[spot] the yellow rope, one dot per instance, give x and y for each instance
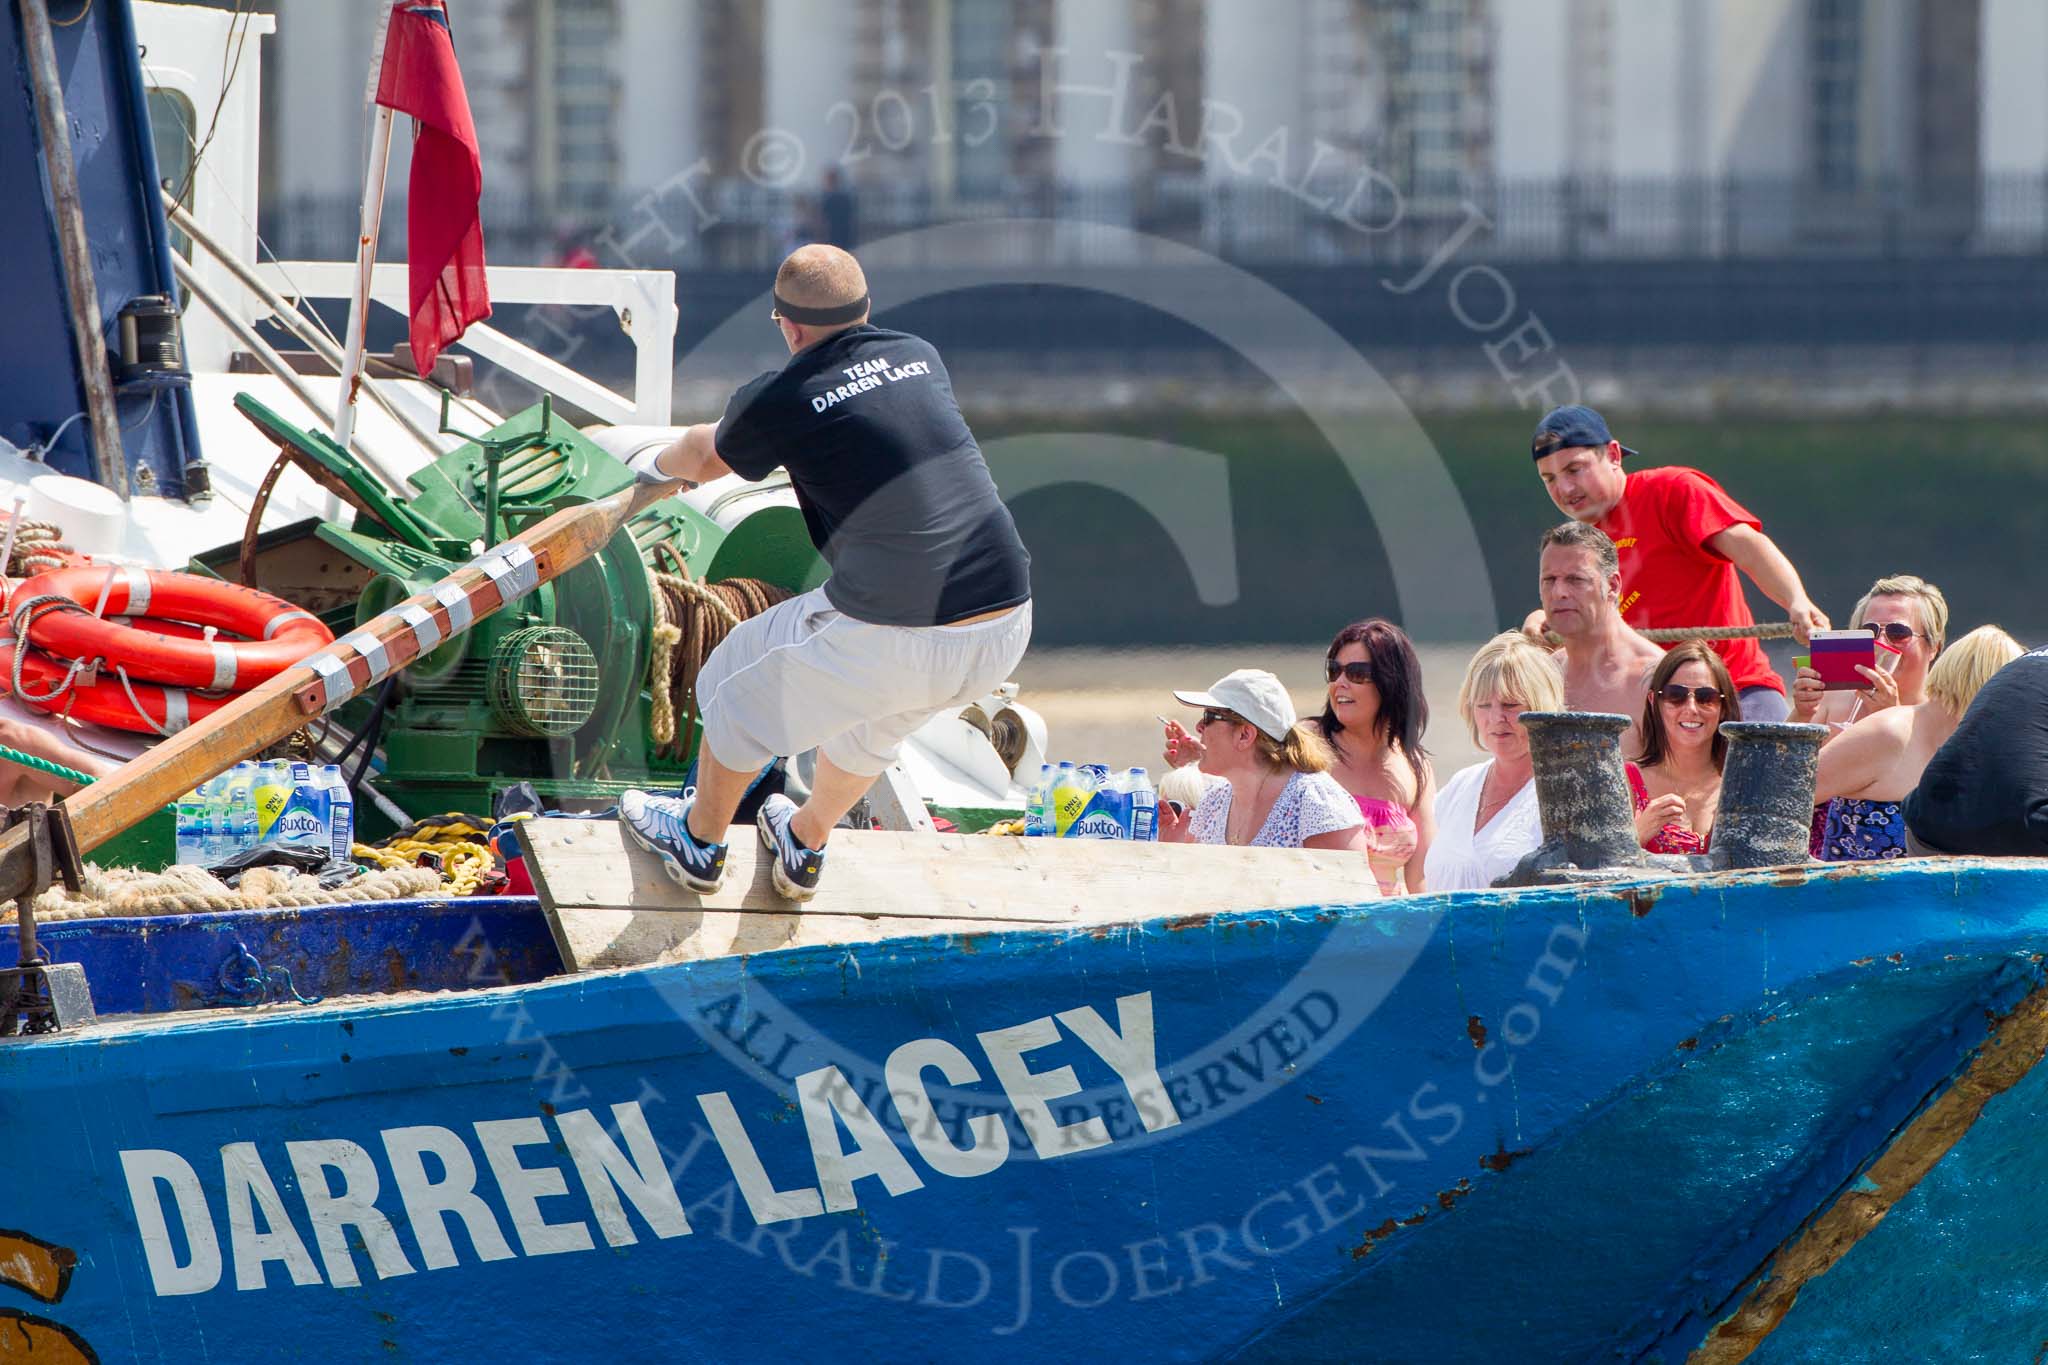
(461, 844)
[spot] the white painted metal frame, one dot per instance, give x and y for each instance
(644, 302)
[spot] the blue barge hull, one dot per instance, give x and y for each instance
(1548, 1125)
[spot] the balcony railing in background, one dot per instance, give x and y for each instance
(737, 224)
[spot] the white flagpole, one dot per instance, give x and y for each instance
(366, 241)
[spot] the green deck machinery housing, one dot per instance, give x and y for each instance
(554, 689)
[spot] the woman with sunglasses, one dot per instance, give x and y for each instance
(1678, 782)
(1374, 713)
(1276, 789)
(1905, 612)
(1866, 775)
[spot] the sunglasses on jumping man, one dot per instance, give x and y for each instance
(1355, 673)
(1674, 694)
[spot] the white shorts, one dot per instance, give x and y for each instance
(802, 675)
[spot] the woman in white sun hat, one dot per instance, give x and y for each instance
(1277, 790)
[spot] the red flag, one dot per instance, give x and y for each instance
(444, 230)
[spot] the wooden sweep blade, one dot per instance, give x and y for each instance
(342, 670)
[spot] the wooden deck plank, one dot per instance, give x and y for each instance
(610, 904)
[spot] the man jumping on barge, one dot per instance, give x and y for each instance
(928, 605)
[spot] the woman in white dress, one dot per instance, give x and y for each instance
(1276, 789)
(1486, 814)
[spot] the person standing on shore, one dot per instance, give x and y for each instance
(1681, 540)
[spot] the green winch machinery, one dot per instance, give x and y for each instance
(551, 691)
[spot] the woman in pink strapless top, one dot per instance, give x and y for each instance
(1373, 717)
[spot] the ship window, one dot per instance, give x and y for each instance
(171, 119)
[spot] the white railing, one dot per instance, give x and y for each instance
(644, 301)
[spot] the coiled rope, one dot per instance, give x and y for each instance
(38, 547)
(460, 841)
(692, 617)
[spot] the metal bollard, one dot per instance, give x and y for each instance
(1766, 809)
(1582, 794)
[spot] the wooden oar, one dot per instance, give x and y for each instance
(344, 669)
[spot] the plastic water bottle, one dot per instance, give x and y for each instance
(302, 824)
(1070, 794)
(1141, 803)
(213, 793)
(189, 834)
(1035, 803)
(272, 789)
(341, 813)
(240, 807)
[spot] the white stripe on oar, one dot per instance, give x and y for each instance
(425, 629)
(456, 600)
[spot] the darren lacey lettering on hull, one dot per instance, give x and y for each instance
(356, 1204)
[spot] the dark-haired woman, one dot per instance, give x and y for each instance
(1678, 782)
(1373, 718)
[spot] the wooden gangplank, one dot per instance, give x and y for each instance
(610, 904)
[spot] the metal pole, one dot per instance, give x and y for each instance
(366, 260)
(294, 321)
(273, 362)
(75, 250)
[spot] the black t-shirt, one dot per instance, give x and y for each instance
(1985, 791)
(893, 487)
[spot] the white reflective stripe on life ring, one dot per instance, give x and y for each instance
(451, 596)
(425, 630)
(177, 709)
(224, 663)
(138, 590)
(278, 623)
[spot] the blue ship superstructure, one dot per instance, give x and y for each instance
(42, 385)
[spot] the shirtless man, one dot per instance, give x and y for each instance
(1605, 661)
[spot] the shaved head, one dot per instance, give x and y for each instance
(820, 276)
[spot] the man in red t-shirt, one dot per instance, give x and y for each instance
(1681, 539)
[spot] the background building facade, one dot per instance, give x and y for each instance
(1578, 127)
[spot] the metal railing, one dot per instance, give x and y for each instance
(739, 224)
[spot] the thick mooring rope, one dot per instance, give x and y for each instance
(187, 890)
(692, 617)
(38, 546)
(1671, 635)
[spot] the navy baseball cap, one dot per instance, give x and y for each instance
(1568, 428)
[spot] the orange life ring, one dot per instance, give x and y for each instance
(154, 710)
(275, 633)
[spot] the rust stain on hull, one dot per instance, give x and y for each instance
(41, 1269)
(2015, 1048)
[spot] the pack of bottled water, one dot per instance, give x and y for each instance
(1088, 801)
(276, 802)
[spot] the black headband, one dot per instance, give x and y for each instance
(822, 317)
